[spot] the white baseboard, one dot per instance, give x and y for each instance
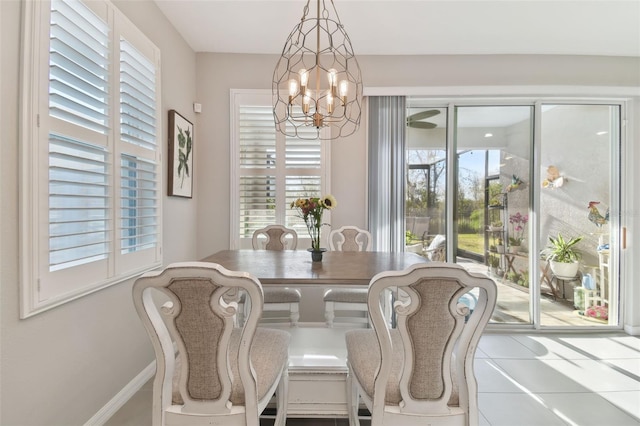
(121, 398)
(631, 330)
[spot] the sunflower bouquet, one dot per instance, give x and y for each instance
(310, 210)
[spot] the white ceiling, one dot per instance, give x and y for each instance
(381, 27)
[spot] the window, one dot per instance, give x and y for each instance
(270, 170)
(91, 160)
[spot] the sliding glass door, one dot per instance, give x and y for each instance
(521, 174)
(579, 186)
(493, 159)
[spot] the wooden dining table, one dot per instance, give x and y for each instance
(337, 268)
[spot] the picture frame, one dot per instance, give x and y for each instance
(180, 156)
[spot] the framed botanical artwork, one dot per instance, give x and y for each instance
(180, 155)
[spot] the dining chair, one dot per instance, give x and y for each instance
(350, 238)
(351, 302)
(282, 304)
(217, 373)
(420, 371)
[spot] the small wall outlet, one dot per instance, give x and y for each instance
(197, 107)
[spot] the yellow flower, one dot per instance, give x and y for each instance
(329, 202)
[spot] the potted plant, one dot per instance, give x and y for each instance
(494, 262)
(518, 222)
(514, 245)
(563, 257)
(496, 225)
(495, 194)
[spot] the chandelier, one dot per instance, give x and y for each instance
(317, 82)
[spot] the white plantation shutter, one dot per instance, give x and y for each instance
(139, 205)
(94, 217)
(270, 170)
(139, 183)
(80, 200)
(257, 186)
(79, 66)
(79, 213)
(137, 97)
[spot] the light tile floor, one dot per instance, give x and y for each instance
(524, 380)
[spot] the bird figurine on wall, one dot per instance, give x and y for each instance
(516, 183)
(595, 216)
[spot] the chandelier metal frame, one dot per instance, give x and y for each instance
(317, 81)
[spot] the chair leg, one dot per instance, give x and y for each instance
(352, 400)
(240, 315)
(329, 313)
(295, 314)
(282, 399)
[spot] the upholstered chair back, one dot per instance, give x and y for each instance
(275, 237)
(350, 238)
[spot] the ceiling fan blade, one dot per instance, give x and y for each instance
(414, 119)
(423, 114)
(421, 125)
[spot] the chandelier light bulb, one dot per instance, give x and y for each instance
(332, 74)
(329, 103)
(306, 100)
(293, 89)
(304, 78)
(344, 89)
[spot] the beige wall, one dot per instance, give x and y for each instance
(62, 366)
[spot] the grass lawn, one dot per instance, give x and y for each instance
(471, 242)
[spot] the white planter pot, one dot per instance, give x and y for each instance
(564, 270)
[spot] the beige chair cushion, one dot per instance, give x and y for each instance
(269, 353)
(347, 295)
(364, 357)
(281, 295)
